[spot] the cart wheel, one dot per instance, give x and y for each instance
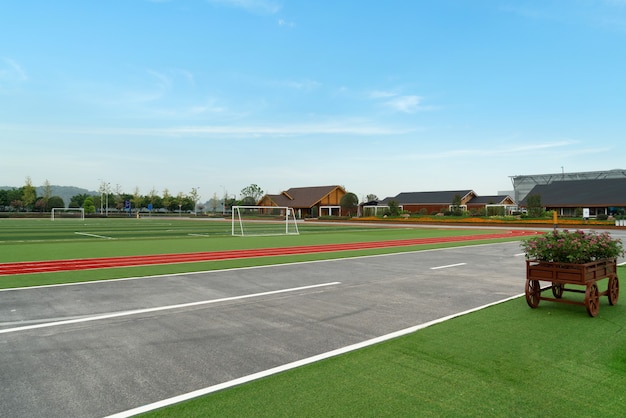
(557, 290)
(613, 290)
(533, 293)
(592, 299)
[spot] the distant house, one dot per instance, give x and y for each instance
(479, 203)
(308, 201)
(600, 196)
(431, 202)
(441, 201)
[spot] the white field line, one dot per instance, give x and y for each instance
(448, 266)
(295, 364)
(92, 235)
(162, 308)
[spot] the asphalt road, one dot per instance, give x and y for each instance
(91, 350)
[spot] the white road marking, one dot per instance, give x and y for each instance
(92, 235)
(161, 308)
(449, 265)
(293, 365)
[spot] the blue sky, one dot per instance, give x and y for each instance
(380, 97)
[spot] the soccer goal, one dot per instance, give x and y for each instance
(67, 213)
(263, 220)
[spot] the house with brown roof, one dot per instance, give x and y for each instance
(441, 201)
(308, 201)
(431, 202)
(478, 203)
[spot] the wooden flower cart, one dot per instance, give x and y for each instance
(561, 274)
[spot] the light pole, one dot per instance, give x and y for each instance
(107, 186)
(101, 189)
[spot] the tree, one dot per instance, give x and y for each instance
(88, 205)
(349, 203)
(248, 201)
(194, 196)
(47, 193)
(29, 194)
(534, 206)
(455, 207)
(55, 202)
(17, 205)
(4, 198)
(394, 208)
(40, 205)
(137, 200)
(118, 198)
(167, 199)
(371, 197)
(214, 202)
(253, 191)
(78, 200)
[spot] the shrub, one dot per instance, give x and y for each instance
(572, 247)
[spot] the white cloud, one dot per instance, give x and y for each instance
(11, 71)
(494, 152)
(286, 23)
(252, 6)
(381, 94)
(406, 104)
(342, 127)
(305, 84)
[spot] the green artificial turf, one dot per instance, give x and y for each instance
(504, 361)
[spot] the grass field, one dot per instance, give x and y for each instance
(503, 361)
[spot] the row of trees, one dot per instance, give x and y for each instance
(25, 198)
(110, 199)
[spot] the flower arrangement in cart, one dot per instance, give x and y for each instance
(577, 247)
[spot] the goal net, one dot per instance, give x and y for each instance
(263, 220)
(67, 213)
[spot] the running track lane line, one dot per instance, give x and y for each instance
(131, 261)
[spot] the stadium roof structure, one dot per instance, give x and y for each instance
(523, 184)
(607, 192)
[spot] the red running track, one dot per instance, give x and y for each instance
(28, 267)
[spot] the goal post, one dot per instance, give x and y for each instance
(67, 213)
(263, 220)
